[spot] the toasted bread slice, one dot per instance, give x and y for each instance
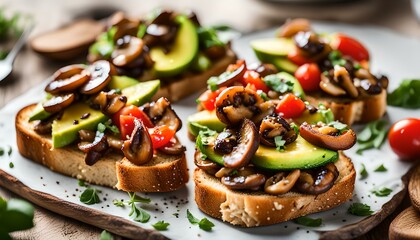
(177, 88)
(251, 209)
(349, 111)
(164, 173)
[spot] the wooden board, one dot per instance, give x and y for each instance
(406, 225)
(414, 188)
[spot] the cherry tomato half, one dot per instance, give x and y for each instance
(126, 126)
(404, 138)
(207, 98)
(309, 76)
(161, 135)
(134, 111)
(350, 47)
(254, 78)
(296, 58)
(290, 106)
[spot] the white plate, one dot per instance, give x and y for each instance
(392, 54)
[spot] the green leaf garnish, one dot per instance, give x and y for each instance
(278, 140)
(382, 192)
(118, 203)
(208, 37)
(326, 113)
(204, 223)
(191, 218)
(11, 165)
(212, 83)
(139, 214)
(9, 152)
(106, 235)
(81, 183)
(336, 58)
(15, 215)
(1, 151)
(359, 209)
(90, 196)
(278, 84)
(161, 225)
(407, 95)
(141, 30)
(136, 198)
(107, 125)
(381, 168)
(309, 222)
(104, 46)
(372, 136)
(363, 172)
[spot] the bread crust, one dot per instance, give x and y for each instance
(349, 111)
(111, 171)
(259, 209)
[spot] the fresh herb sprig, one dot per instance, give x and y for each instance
(360, 209)
(372, 136)
(278, 83)
(363, 172)
(204, 223)
(137, 213)
(407, 95)
(309, 222)
(90, 196)
(20, 211)
(161, 225)
(382, 192)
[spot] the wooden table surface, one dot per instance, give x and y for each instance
(244, 15)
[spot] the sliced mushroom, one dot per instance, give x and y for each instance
(44, 126)
(264, 69)
(58, 102)
(110, 102)
(317, 181)
(273, 126)
(370, 83)
(94, 150)
(89, 136)
(248, 142)
(281, 182)
(331, 140)
(236, 103)
(225, 141)
(100, 77)
(291, 27)
(128, 49)
(138, 149)
(174, 147)
(161, 113)
(223, 172)
(68, 79)
(228, 78)
(203, 163)
(244, 179)
(327, 86)
(342, 76)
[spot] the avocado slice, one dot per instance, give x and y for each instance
(313, 118)
(121, 82)
(141, 92)
(204, 118)
(65, 131)
(298, 155)
(39, 113)
(297, 88)
(183, 52)
(277, 47)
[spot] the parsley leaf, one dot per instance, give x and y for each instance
(106, 235)
(208, 37)
(309, 222)
(9, 152)
(204, 223)
(407, 95)
(212, 83)
(139, 214)
(278, 83)
(81, 183)
(336, 58)
(161, 225)
(278, 140)
(295, 128)
(90, 196)
(359, 209)
(104, 46)
(108, 125)
(381, 168)
(326, 113)
(11, 165)
(382, 192)
(372, 136)
(1, 151)
(363, 172)
(16, 214)
(191, 218)
(134, 198)
(118, 203)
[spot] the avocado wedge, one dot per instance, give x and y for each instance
(204, 118)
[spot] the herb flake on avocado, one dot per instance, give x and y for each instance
(278, 83)
(278, 140)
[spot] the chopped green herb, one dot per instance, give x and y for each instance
(208, 37)
(263, 95)
(90, 196)
(278, 84)
(191, 218)
(381, 168)
(107, 125)
(9, 152)
(357, 66)
(363, 172)
(104, 46)
(176, 215)
(326, 113)
(360, 209)
(204, 223)
(106, 235)
(101, 127)
(372, 136)
(212, 83)
(15, 215)
(81, 183)
(161, 225)
(338, 125)
(278, 140)
(9, 26)
(222, 28)
(309, 222)
(1, 151)
(135, 198)
(336, 58)
(11, 165)
(407, 95)
(382, 192)
(138, 214)
(118, 203)
(141, 31)
(295, 128)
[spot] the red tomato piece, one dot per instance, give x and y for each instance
(207, 98)
(290, 106)
(126, 126)
(254, 78)
(161, 135)
(134, 111)
(350, 47)
(404, 139)
(296, 58)
(309, 76)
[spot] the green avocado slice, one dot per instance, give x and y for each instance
(204, 118)
(277, 47)
(297, 155)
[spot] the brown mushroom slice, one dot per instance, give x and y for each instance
(174, 147)
(44, 126)
(203, 163)
(99, 144)
(68, 79)
(236, 103)
(264, 69)
(128, 49)
(317, 181)
(138, 149)
(161, 113)
(273, 126)
(89, 136)
(341, 142)
(100, 77)
(291, 27)
(244, 180)
(116, 103)
(327, 86)
(281, 182)
(58, 102)
(228, 79)
(248, 142)
(342, 76)
(225, 141)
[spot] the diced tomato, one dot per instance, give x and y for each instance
(254, 78)
(134, 111)
(126, 126)
(296, 58)
(290, 106)
(207, 98)
(161, 135)
(309, 76)
(350, 47)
